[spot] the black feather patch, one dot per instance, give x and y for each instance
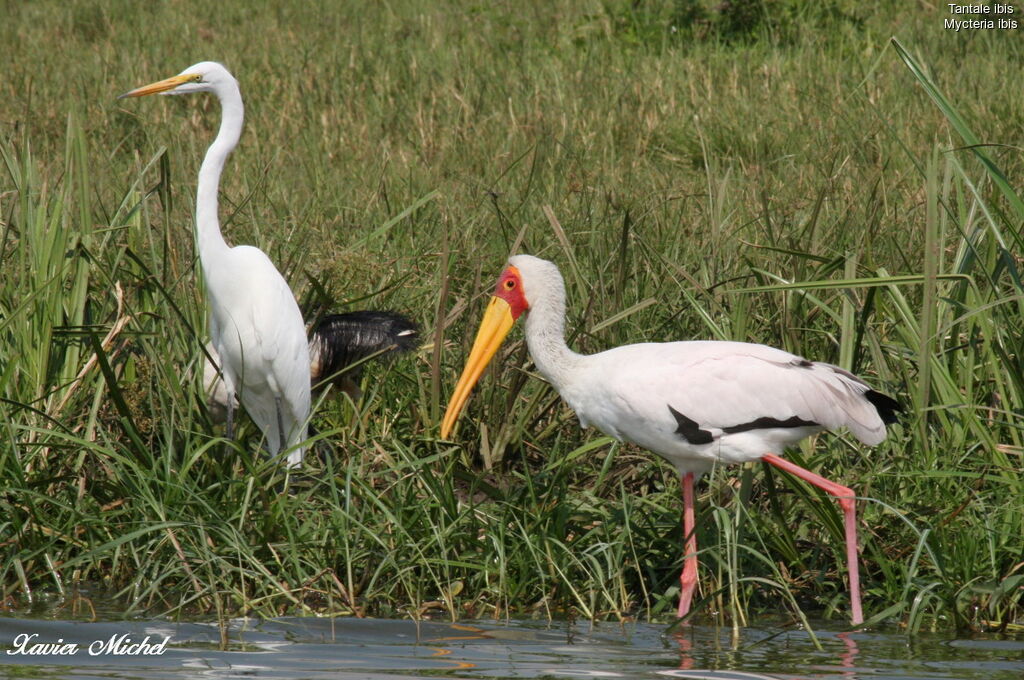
(764, 423)
(341, 340)
(689, 430)
(887, 407)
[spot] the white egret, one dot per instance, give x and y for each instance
(255, 323)
(696, 404)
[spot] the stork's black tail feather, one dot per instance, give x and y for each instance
(887, 407)
(341, 340)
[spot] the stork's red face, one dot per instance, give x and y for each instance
(507, 304)
(510, 289)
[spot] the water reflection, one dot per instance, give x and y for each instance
(846, 658)
(365, 648)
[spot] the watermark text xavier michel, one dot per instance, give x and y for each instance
(980, 17)
(116, 645)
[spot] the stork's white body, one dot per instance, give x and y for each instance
(732, 391)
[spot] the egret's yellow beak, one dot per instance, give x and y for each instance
(162, 85)
(496, 324)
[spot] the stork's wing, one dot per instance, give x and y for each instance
(716, 388)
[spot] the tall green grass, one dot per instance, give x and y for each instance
(802, 183)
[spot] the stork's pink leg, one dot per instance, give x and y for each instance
(846, 498)
(688, 579)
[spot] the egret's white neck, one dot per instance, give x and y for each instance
(208, 235)
(545, 336)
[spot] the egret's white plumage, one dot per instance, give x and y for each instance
(695, 403)
(255, 323)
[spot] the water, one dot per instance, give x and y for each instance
(371, 649)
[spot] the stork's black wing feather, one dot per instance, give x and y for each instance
(888, 408)
(341, 340)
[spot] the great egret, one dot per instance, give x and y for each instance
(696, 404)
(255, 323)
(339, 346)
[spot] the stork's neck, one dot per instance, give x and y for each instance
(545, 336)
(208, 235)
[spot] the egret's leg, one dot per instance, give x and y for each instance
(282, 437)
(688, 579)
(846, 500)
(229, 429)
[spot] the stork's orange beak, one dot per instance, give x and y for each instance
(162, 85)
(496, 324)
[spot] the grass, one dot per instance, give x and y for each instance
(798, 181)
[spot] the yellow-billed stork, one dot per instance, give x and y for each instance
(696, 404)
